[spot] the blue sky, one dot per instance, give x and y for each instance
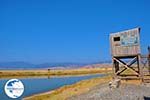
(40, 31)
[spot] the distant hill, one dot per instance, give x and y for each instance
(26, 65)
(16, 65)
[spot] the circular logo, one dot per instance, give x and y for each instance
(14, 88)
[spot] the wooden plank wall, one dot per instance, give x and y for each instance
(131, 46)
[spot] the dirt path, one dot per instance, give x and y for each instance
(125, 92)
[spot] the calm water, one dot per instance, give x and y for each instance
(39, 85)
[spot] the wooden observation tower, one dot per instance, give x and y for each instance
(125, 51)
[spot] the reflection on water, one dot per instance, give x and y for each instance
(34, 85)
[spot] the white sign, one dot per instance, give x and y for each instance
(14, 88)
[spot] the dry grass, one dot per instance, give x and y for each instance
(71, 90)
(15, 73)
(135, 82)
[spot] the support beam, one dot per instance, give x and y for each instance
(126, 65)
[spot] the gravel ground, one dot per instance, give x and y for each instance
(124, 92)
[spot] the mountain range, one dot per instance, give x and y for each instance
(26, 65)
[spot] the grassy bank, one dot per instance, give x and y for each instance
(71, 90)
(79, 71)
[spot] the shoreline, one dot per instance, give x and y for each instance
(68, 91)
(58, 94)
(52, 76)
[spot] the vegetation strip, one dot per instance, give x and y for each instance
(79, 71)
